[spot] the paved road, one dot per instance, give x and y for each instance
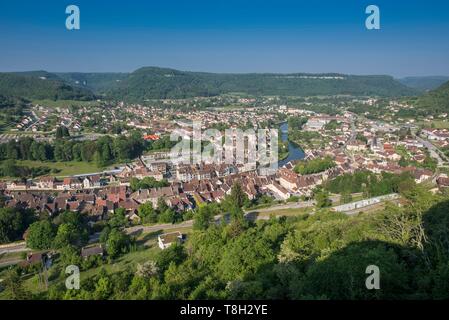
(432, 149)
(284, 207)
(19, 247)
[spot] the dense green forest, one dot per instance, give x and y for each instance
(156, 83)
(314, 166)
(370, 184)
(436, 101)
(99, 83)
(40, 85)
(11, 110)
(160, 83)
(104, 151)
(13, 223)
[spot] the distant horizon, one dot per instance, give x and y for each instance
(218, 72)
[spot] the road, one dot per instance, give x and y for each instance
(432, 149)
(13, 248)
(296, 205)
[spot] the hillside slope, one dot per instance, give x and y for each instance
(40, 85)
(435, 101)
(424, 83)
(159, 83)
(162, 83)
(96, 82)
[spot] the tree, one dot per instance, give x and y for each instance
(238, 196)
(13, 224)
(203, 218)
(162, 205)
(147, 270)
(104, 235)
(10, 168)
(168, 216)
(322, 199)
(147, 183)
(103, 288)
(70, 255)
(67, 234)
(14, 286)
(403, 162)
(62, 132)
(117, 243)
(343, 274)
(72, 230)
(314, 166)
(234, 202)
(119, 219)
(174, 254)
(40, 235)
(106, 155)
(147, 213)
(346, 197)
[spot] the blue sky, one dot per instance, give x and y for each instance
(227, 36)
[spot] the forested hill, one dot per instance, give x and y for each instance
(40, 85)
(161, 83)
(436, 101)
(424, 83)
(156, 83)
(100, 83)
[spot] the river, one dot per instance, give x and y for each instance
(295, 153)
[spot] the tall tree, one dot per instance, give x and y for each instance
(203, 218)
(40, 235)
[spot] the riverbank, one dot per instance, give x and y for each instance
(294, 150)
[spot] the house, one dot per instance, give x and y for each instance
(167, 239)
(91, 251)
(184, 173)
(159, 167)
(225, 170)
(422, 175)
(153, 195)
(443, 182)
(34, 259)
(92, 182)
(16, 185)
(130, 205)
(47, 183)
(279, 191)
(356, 146)
(157, 175)
(181, 203)
(72, 184)
(288, 179)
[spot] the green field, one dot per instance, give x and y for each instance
(63, 168)
(437, 124)
(127, 262)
